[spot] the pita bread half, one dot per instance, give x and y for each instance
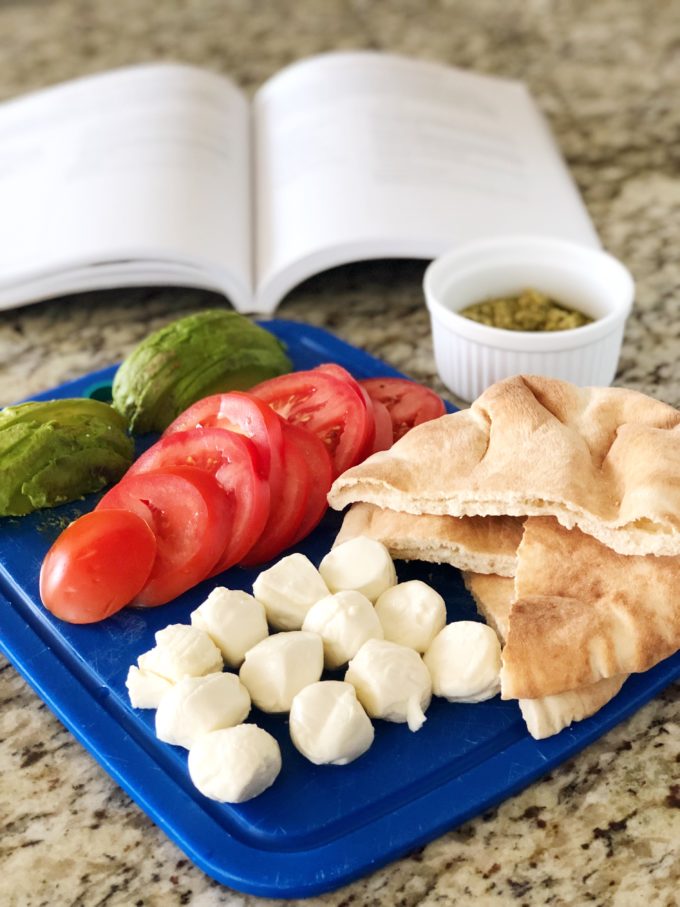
(583, 612)
(481, 544)
(606, 460)
(493, 596)
(547, 715)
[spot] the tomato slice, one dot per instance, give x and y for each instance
(189, 514)
(332, 368)
(248, 416)
(97, 566)
(320, 466)
(382, 434)
(288, 509)
(383, 426)
(232, 460)
(327, 406)
(408, 402)
(241, 413)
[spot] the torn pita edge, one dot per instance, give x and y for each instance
(464, 543)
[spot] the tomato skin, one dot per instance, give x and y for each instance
(289, 508)
(332, 368)
(384, 436)
(241, 413)
(98, 564)
(338, 371)
(189, 514)
(232, 460)
(320, 466)
(408, 402)
(325, 404)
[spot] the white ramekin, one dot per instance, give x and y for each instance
(471, 356)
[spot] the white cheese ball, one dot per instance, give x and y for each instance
(344, 621)
(362, 564)
(276, 669)
(234, 620)
(391, 682)
(182, 651)
(328, 725)
(197, 705)
(288, 590)
(234, 764)
(146, 689)
(464, 661)
(411, 614)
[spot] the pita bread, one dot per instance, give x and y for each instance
(480, 544)
(547, 715)
(493, 596)
(606, 460)
(583, 612)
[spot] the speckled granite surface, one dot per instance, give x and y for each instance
(605, 827)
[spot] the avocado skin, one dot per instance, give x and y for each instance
(56, 451)
(206, 353)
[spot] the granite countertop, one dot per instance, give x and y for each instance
(604, 827)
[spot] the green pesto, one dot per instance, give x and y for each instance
(530, 311)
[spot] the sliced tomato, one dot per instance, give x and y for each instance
(189, 514)
(408, 402)
(232, 460)
(98, 564)
(327, 406)
(383, 426)
(382, 436)
(244, 414)
(320, 467)
(332, 368)
(288, 509)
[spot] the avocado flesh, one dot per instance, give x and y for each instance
(206, 353)
(45, 462)
(62, 411)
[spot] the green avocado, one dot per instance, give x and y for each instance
(210, 352)
(59, 450)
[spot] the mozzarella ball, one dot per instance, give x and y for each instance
(464, 661)
(234, 620)
(277, 668)
(288, 590)
(145, 689)
(362, 564)
(328, 725)
(197, 705)
(234, 764)
(182, 651)
(411, 614)
(344, 621)
(391, 682)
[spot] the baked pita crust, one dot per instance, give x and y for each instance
(547, 715)
(582, 612)
(606, 460)
(480, 544)
(493, 596)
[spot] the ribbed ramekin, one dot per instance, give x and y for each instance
(471, 356)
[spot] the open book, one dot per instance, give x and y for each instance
(168, 174)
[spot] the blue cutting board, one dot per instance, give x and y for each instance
(318, 827)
